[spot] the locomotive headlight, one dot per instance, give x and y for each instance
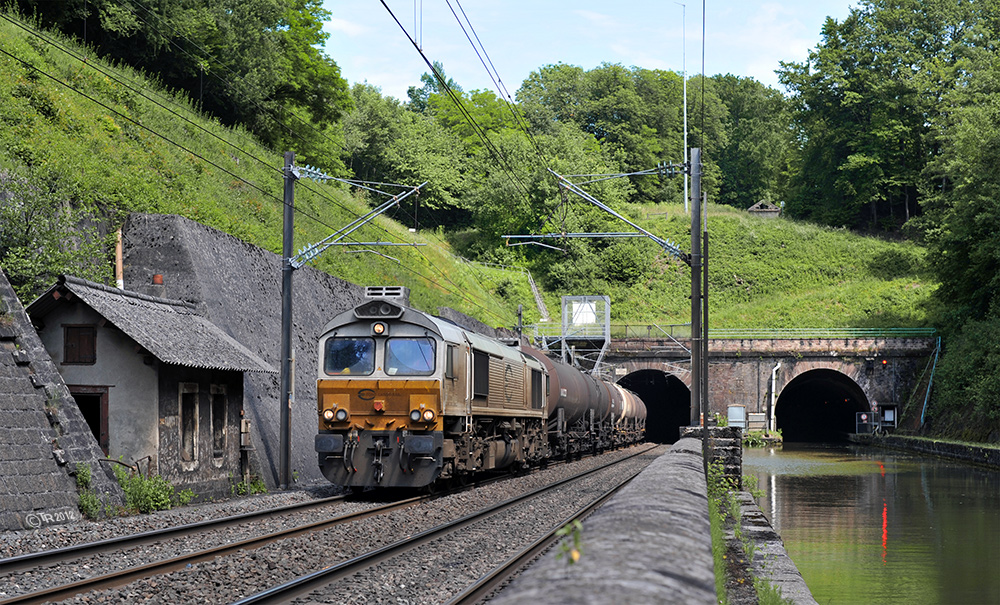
(428, 415)
(379, 328)
(328, 415)
(341, 415)
(415, 415)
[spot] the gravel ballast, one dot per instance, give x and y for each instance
(438, 575)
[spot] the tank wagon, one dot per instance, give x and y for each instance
(406, 399)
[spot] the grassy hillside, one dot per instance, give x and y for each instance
(113, 142)
(775, 273)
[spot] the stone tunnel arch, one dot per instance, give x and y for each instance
(819, 405)
(668, 403)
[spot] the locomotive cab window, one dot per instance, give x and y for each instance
(409, 356)
(349, 356)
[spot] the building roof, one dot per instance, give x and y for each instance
(171, 330)
(763, 206)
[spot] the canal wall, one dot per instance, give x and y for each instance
(651, 543)
(987, 455)
(770, 561)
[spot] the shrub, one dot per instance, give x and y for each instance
(145, 494)
(90, 504)
(256, 485)
(82, 475)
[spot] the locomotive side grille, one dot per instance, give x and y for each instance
(506, 384)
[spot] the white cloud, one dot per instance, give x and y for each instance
(348, 28)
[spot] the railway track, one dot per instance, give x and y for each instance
(191, 531)
(305, 585)
(121, 549)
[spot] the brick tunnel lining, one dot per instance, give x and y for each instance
(819, 406)
(668, 403)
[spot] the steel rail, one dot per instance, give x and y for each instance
(308, 583)
(60, 555)
(124, 576)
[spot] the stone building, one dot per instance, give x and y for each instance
(764, 210)
(157, 382)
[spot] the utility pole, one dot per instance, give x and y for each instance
(704, 316)
(285, 435)
(289, 263)
(685, 77)
(698, 400)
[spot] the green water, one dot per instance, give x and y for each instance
(867, 525)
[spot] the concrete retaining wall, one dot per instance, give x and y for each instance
(237, 286)
(770, 560)
(651, 543)
(986, 455)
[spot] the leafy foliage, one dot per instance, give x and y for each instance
(149, 494)
(892, 121)
(754, 160)
(254, 63)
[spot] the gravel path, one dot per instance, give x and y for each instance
(226, 579)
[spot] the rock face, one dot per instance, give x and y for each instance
(44, 434)
(238, 287)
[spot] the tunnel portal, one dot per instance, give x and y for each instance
(668, 403)
(819, 406)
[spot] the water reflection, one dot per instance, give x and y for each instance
(867, 525)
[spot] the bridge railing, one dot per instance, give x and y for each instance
(619, 331)
(827, 333)
(624, 331)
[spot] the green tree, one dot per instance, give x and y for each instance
(635, 114)
(252, 62)
(754, 161)
(36, 215)
(385, 142)
(866, 101)
(489, 113)
(420, 97)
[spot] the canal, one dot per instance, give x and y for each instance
(868, 525)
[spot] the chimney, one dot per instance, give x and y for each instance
(157, 288)
(119, 269)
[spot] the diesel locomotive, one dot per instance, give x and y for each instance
(406, 399)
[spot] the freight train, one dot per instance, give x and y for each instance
(406, 399)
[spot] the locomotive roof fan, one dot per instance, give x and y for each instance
(384, 302)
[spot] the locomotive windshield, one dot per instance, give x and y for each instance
(409, 357)
(349, 356)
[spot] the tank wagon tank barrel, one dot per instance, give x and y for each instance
(406, 399)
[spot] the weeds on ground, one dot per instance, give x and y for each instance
(724, 509)
(148, 494)
(255, 485)
(571, 545)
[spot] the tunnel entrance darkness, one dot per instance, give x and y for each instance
(819, 405)
(668, 403)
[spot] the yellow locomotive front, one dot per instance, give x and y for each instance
(379, 398)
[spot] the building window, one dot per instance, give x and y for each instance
(189, 421)
(219, 420)
(79, 345)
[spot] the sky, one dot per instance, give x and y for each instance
(744, 38)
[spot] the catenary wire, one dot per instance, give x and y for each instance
(247, 154)
(250, 184)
